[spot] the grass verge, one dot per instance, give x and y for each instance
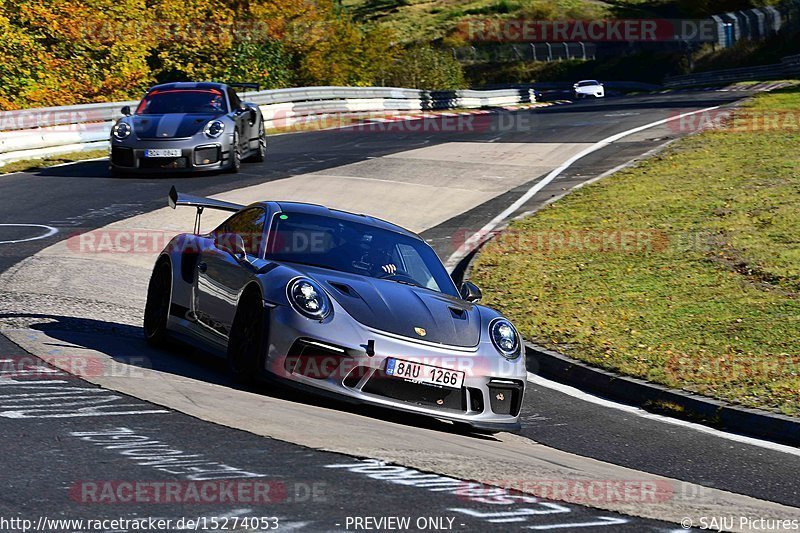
(35, 164)
(683, 270)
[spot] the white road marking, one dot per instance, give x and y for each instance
(147, 451)
(580, 395)
(469, 491)
(605, 174)
(68, 163)
(602, 521)
(62, 402)
(475, 239)
(50, 230)
(571, 391)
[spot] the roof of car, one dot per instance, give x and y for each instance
(320, 210)
(188, 85)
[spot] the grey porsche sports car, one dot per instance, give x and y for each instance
(341, 303)
(188, 127)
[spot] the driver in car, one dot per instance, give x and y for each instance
(217, 104)
(377, 256)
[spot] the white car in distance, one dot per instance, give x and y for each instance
(587, 88)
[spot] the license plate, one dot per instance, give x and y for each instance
(163, 152)
(427, 374)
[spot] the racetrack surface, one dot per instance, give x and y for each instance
(444, 184)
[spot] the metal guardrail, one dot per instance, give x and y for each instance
(789, 67)
(47, 131)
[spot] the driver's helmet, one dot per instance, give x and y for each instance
(216, 103)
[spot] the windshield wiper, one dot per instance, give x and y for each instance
(403, 282)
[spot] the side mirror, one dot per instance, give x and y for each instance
(126, 110)
(231, 243)
(470, 292)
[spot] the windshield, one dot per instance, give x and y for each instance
(587, 83)
(356, 248)
(195, 101)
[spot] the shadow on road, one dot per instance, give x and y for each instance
(125, 344)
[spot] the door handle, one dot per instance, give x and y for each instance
(202, 267)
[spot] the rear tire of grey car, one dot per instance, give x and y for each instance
(246, 342)
(156, 310)
(261, 154)
(236, 154)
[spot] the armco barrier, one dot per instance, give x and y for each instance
(789, 67)
(52, 130)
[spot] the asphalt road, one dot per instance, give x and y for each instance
(73, 452)
(80, 197)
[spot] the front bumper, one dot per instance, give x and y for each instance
(332, 358)
(130, 156)
(586, 94)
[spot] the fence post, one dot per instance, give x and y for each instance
(728, 35)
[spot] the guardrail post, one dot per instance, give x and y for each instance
(549, 51)
(583, 49)
(533, 50)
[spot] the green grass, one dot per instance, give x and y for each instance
(34, 164)
(713, 306)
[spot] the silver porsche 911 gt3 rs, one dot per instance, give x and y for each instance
(342, 303)
(188, 127)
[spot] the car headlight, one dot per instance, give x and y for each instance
(214, 129)
(505, 338)
(121, 130)
(308, 298)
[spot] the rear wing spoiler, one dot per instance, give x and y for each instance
(249, 86)
(175, 199)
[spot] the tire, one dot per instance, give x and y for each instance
(261, 154)
(246, 342)
(156, 310)
(236, 154)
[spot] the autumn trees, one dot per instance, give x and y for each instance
(57, 52)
